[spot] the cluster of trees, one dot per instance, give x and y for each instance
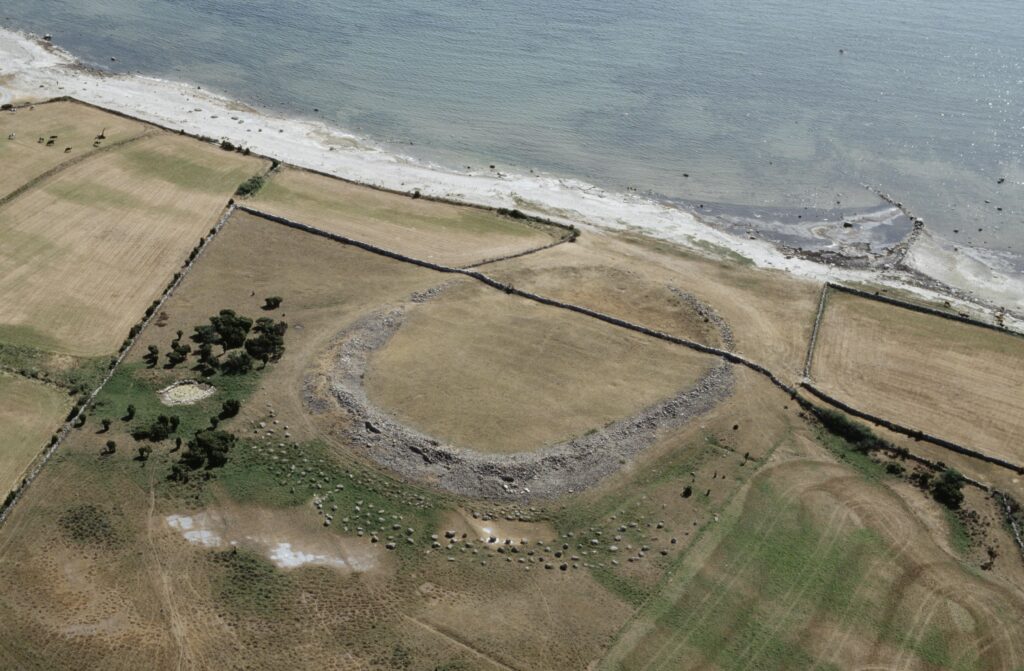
(208, 448)
(260, 340)
(160, 429)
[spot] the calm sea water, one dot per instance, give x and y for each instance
(788, 103)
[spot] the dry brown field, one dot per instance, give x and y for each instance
(83, 254)
(498, 373)
(29, 412)
(75, 126)
(438, 232)
(770, 313)
(956, 381)
(748, 538)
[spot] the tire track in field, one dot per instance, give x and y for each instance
(459, 643)
(736, 568)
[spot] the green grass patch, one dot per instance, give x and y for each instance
(958, 536)
(76, 374)
(462, 219)
(135, 384)
(791, 571)
(191, 174)
(310, 471)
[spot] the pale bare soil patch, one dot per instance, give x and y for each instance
(498, 373)
(186, 392)
(289, 538)
(82, 255)
(437, 232)
(461, 524)
(956, 381)
(29, 413)
(75, 126)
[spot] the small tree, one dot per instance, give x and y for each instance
(130, 415)
(948, 489)
(272, 302)
(106, 424)
(152, 355)
(111, 447)
(237, 363)
(144, 452)
(230, 408)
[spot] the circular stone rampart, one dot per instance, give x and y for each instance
(548, 472)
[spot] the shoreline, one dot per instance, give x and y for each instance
(927, 266)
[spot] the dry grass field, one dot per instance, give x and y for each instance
(29, 412)
(815, 567)
(956, 381)
(433, 231)
(75, 126)
(82, 255)
(498, 373)
(770, 313)
(750, 538)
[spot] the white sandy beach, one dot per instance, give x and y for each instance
(30, 71)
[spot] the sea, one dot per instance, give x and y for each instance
(778, 106)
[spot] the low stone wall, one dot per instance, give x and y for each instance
(40, 461)
(922, 309)
(812, 344)
(35, 181)
(916, 434)
(570, 231)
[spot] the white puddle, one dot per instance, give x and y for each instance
(285, 556)
(193, 534)
(214, 530)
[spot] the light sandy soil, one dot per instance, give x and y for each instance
(955, 381)
(29, 413)
(75, 125)
(186, 392)
(83, 254)
(436, 232)
(498, 373)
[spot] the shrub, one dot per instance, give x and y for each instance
(272, 302)
(230, 408)
(237, 363)
(855, 433)
(948, 489)
(250, 186)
